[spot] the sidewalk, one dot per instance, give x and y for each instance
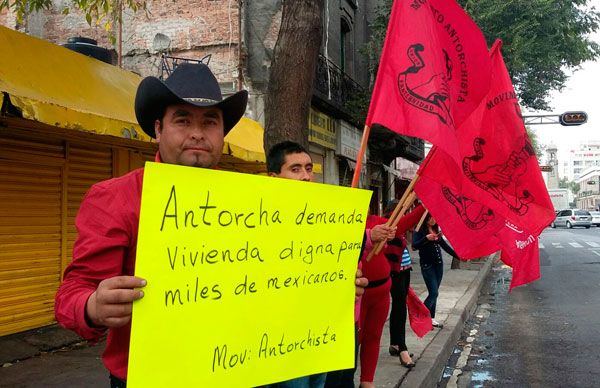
(458, 294)
(456, 302)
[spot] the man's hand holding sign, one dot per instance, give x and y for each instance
(243, 291)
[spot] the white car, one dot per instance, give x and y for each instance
(595, 218)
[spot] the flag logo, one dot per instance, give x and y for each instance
(428, 92)
(473, 214)
(502, 179)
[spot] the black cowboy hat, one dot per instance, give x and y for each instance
(189, 83)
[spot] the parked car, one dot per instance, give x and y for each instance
(595, 218)
(573, 217)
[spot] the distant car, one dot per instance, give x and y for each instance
(595, 218)
(573, 217)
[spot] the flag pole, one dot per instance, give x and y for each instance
(361, 155)
(405, 195)
(410, 199)
(422, 220)
(398, 213)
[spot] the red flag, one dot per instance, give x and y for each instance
(521, 251)
(419, 316)
(434, 71)
(468, 225)
(498, 160)
(473, 229)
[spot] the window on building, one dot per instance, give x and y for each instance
(346, 47)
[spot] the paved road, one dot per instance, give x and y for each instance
(546, 334)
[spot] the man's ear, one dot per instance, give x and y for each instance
(157, 129)
(272, 174)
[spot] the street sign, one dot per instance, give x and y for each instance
(546, 168)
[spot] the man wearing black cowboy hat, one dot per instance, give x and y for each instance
(188, 117)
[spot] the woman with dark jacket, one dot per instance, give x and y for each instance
(429, 242)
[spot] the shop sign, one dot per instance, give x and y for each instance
(321, 129)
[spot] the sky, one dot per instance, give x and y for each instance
(580, 94)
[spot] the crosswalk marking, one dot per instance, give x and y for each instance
(557, 245)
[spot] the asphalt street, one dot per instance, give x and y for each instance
(545, 334)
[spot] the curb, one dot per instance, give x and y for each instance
(438, 351)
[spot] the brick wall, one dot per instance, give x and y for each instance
(183, 28)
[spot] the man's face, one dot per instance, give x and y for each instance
(297, 166)
(190, 135)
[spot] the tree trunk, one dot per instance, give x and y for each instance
(292, 72)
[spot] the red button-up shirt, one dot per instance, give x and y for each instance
(107, 226)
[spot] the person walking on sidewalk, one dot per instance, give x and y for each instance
(429, 242)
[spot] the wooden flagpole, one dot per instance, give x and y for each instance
(361, 155)
(405, 195)
(422, 219)
(400, 208)
(408, 201)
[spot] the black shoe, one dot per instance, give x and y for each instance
(394, 350)
(408, 365)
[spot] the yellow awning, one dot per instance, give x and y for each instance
(243, 148)
(59, 87)
(245, 141)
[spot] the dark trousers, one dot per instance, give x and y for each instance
(432, 275)
(399, 291)
(116, 382)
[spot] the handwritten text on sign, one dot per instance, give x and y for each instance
(250, 278)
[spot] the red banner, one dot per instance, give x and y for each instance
(419, 316)
(434, 71)
(473, 229)
(498, 162)
(521, 251)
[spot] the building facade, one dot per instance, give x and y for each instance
(586, 156)
(588, 196)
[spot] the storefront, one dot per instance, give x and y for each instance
(322, 145)
(348, 146)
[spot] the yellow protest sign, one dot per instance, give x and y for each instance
(250, 278)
